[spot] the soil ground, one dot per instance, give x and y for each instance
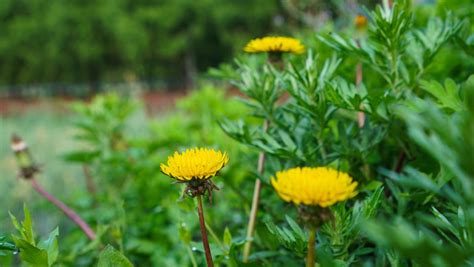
(155, 101)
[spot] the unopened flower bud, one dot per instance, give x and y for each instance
(27, 167)
(360, 22)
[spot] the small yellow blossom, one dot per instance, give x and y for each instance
(319, 186)
(275, 44)
(195, 163)
(360, 21)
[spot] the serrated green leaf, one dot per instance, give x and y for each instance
(110, 257)
(31, 254)
(25, 228)
(5, 245)
(296, 228)
(290, 145)
(51, 246)
(448, 96)
(372, 185)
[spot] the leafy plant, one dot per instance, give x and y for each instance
(442, 236)
(402, 129)
(110, 257)
(293, 239)
(43, 253)
(6, 246)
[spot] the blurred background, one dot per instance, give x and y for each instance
(74, 48)
(55, 53)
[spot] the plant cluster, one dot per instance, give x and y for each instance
(370, 149)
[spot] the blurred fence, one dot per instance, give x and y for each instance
(86, 89)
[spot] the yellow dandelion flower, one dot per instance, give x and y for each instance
(319, 186)
(360, 21)
(195, 164)
(276, 44)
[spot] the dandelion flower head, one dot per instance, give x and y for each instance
(360, 21)
(195, 164)
(319, 186)
(275, 44)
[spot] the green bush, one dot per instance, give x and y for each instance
(91, 42)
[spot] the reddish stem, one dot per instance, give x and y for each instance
(359, 77)
(360, 114)
(89, 180)
(400, 162)
(69, 212)
(205, 241)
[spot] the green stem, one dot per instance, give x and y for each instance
(311, 248)
(191, 256)
(205, 241)
(214, 236)
(394, 69)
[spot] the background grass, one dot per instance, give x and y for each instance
(49, 132)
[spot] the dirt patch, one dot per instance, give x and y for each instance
(9, 106)
(159, 101)
(154, 102)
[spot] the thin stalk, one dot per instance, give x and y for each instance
(360, 114)
(89, 181)
(191, 256)
(214, 235)
(400, 161)
(394, 70)
(68, 211)
(252, 219)
(359, 77)
(90, 185)
(205, 242)
(311, 248)
(255, 201)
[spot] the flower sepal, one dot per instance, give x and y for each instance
(198, 187)
(314, 217)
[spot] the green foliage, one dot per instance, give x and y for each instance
(443, 235)
(108, 111)
(319, 124)
(397, 51)
(44, 253)
(343, 235)
(412, 155)
(447, 137)
(447, 96)
(5, 246)
(293, 238)
(110, 257)
(122, 158)
(89, 41)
